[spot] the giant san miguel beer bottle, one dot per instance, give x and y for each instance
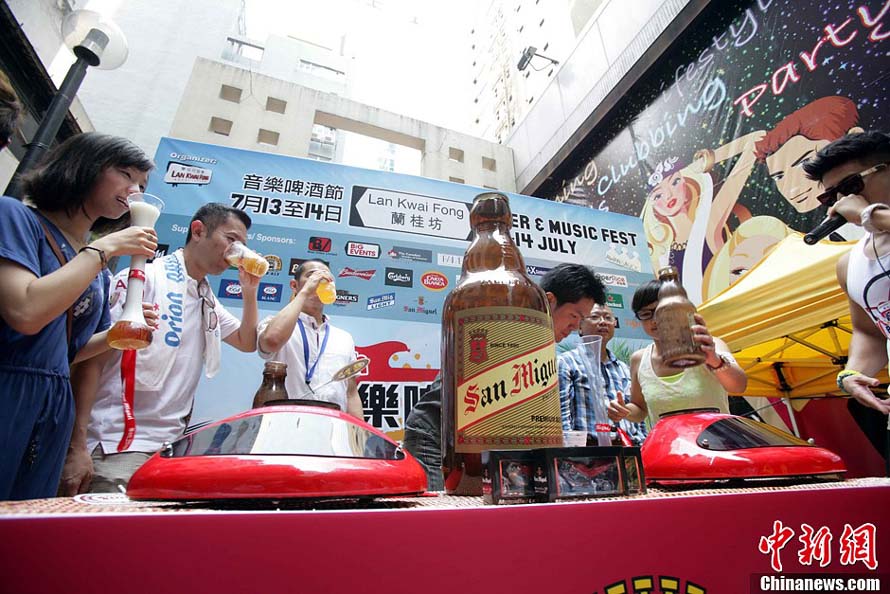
(499, 382)
(674, 320)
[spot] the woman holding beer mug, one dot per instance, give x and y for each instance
(53, 296)
(657, 388)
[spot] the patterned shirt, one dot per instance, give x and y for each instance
(576, 405)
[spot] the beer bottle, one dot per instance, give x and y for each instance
(272, 387)
(674, 320)
(499, 382)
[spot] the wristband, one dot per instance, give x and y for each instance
(102, 257)
(841, 376)
(726, 361)
(865, 217)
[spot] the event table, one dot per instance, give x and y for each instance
(673, 540)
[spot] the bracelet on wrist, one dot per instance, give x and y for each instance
(102, 257)
(866, 217)
(842, 375)
(725, 363)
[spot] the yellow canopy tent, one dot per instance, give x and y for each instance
(787, 320)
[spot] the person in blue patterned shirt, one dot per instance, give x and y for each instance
(574, 389)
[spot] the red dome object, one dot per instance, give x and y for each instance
(705, 445)
(280, 452)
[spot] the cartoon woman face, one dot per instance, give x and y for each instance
(785, 170)
(747, 253)
(670, 197)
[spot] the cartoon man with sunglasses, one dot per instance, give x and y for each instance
(855, 172)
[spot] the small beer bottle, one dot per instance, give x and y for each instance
(674, 318)
(499, 383)
(272, 387)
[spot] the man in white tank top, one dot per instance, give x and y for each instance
(855, 172)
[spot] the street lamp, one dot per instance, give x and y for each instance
(526, 58)
(95, 41)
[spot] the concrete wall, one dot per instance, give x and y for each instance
(607, 50)
(201, 102)
(139, 99)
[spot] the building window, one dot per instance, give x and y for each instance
(456, 180)
(242, 51)
(228, 93)
(455, 154)
(321, 70)
(276, 105)
(323, 143)
(267, 137)
(220, 126)
(489, 164)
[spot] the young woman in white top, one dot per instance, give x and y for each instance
(657, 389)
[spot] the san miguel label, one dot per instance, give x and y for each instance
(507, 385)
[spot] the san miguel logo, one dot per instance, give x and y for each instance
(363, 274)
(479, 346)
(528, 375)
(362, 250)
(434, 281)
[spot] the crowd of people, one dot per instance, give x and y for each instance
(62, 425)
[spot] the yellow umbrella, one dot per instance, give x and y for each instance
(787, 320)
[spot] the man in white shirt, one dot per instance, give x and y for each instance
(855, 175)
(192, 322)
(302, 336)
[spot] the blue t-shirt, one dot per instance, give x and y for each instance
(23, 241)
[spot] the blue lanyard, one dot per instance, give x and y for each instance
(310, 371)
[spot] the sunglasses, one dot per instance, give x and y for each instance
(852, 184)
(208, 311)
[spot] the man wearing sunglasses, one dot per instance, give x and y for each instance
(107, 447)
(855, 172)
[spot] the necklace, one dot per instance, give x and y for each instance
(676, 247)
(76, 244)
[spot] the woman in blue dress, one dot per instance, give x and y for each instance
(52, 305)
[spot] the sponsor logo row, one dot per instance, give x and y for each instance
(271, 292)
(373, 251)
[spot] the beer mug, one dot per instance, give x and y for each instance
(326, 291)
(239, 254)
(131, 332)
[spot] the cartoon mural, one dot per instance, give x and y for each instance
(707, 150)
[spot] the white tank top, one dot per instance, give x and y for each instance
(694, 387)
(868, 284)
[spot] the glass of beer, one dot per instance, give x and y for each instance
(239, 254)
(131, 332)
(326, 291)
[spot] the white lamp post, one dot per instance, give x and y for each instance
(95, 41)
